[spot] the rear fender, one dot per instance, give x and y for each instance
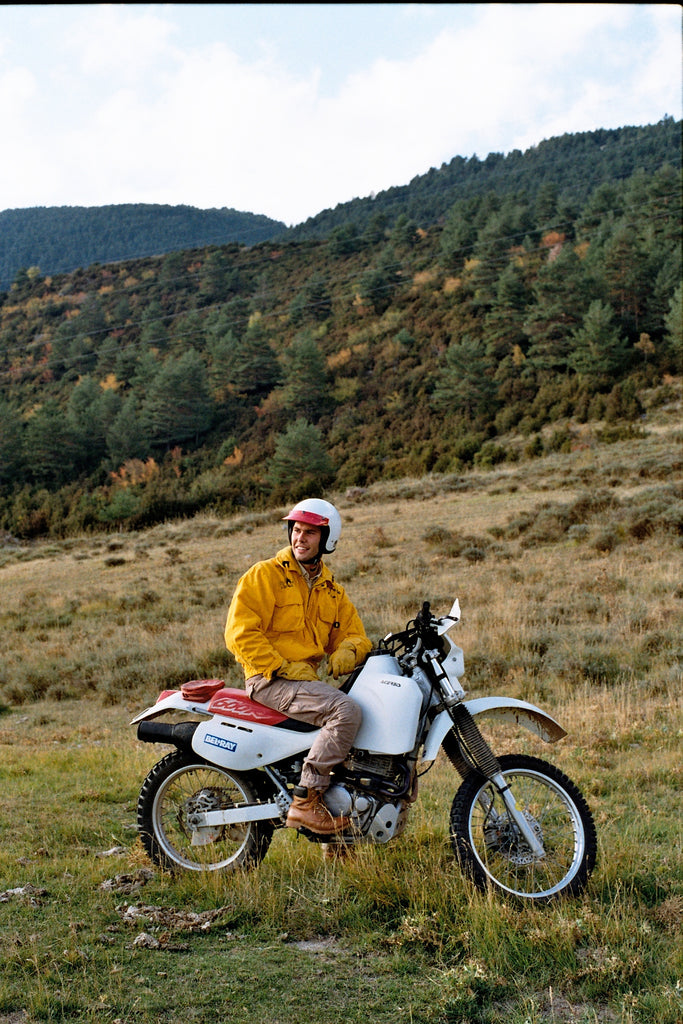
(223, 739)
(173, 700)
(501, 709)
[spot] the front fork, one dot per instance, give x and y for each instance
(517, 815)
(475, 753)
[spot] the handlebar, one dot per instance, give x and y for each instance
(425, 623)
(423, 627)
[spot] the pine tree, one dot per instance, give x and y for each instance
(562, 293)
(599, 350)
(128, 436)
(674, 329)
(11, 438)
(255, 369)
(465, 385)
(625, 269)
(49, 445)
(86, 424)
(305, 389)
(313, 302)
(300, 460)
(378, 284)
(178, 403)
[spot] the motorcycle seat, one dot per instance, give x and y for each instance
(236, 704)
(201, 690)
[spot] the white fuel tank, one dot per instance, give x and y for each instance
(391, 705)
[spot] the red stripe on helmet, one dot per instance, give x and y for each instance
(312, 518)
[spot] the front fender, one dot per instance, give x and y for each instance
(503, 709)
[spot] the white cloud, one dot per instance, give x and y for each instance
(122, 40)
(17, 87)
(130, 110)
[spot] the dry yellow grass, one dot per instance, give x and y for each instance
(110, 614)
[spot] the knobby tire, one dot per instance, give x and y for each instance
(492, 853)
(180, 783)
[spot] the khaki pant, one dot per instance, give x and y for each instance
(335, 713)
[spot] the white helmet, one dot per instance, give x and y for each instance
(317, 512)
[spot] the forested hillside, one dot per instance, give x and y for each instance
(240, 376)
(60, 239)
(572, 165)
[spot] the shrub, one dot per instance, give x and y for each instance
(600, 667)
(560, 441)
(606, 540)
(490, 454)
(662, 511)
(550, 525)
(467, 447)
(534, 448)
(453, 545)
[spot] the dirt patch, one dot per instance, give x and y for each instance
(319, 945)
(553, 1008)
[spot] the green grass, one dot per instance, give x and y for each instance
(393, 934)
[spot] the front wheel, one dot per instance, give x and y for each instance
(179, 786)
(491, 849)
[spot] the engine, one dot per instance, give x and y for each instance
(373, 790)
(378, 773)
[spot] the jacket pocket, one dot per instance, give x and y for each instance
(288, 614)
(326, 624)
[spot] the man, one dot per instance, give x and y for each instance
(286, 615)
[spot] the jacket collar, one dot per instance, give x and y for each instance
(286, 559)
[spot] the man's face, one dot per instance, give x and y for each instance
(305, 541)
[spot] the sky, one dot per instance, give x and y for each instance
(290, 109)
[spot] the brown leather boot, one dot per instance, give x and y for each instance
(310, 812)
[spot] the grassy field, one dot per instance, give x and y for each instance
(568, 569)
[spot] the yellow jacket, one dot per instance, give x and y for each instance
(274, 617)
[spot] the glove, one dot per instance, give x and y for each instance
(296, 670)
(341, 662)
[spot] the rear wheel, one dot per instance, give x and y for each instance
(491, 849)
(180, 785)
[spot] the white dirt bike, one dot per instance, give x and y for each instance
(517, 823)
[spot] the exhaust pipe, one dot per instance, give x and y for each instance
(178, 734)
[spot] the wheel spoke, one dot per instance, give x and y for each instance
(491, 847)
(175, 792)
(507, 859)
(198, 789)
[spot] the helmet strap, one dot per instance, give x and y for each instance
(310, 561)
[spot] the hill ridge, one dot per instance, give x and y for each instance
(61, 239)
